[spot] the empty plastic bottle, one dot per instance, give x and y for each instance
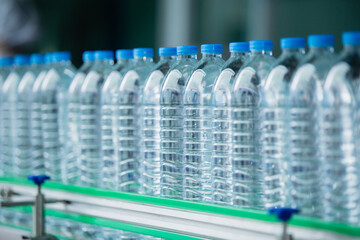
(22, 156)
(274, 119)
(8, 114)
(338, 140)
(198, 124)
(171, 122)
(109, 99)
(37, 150)
(245, 97)
(150, 123)
(221, 168)
(128, 135)
(5, 69)
(54, 114)
(73, 159)
(90, 127)
(305, 86)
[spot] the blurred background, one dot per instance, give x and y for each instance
(28, 26)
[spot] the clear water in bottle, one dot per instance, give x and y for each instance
(245, 96)
(90, 127)
(338, 140)
(5, 69)
(128, 131)
(305, 86)
(221, 168)
(73, 159)
(54, 114)
(150, 123)
(37, 150)
(275, 130)
(23, 157)
(9, 114)
(198, 125)
(171, 122)
(109, 99)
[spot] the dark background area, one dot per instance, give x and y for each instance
(79, 25)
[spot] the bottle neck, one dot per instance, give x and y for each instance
(293, 50)
(239, 54)
(167, 58)
(262, 52)
(352, 48)
(208, 55)
(105, 61)
(186, 56)
(123, 61)
(143, 59)
(321, 50)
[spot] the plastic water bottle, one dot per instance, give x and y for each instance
(90, 127)
(150, 123)
(221, 168)
(54, 114)
(73, 161)
(8, 114)
(37, 150)
(305, 86)
(198, 125)
(171, 122)
(109, 99)
(5, 69)
(338, 140)
(22, 156)
(245, 96)
(274, 119)
(128, 134)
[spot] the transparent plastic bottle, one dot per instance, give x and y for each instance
(171, 122)
(8, 114)
(73, 161)
(54, 114)
(90, 116)
(150, 123)
(305, 86)
(198, 125)
(275, 130)
(22, 156)
(5, 69)
(109, 99)
(338, 140)
(37, 150)
(245, 96)
(221, 168)
(128, 131)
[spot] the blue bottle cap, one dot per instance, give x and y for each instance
(37, 58)
(143, 52)
(88, 56)
(211, 48)
(261, 45)
(6, 61)
(167, 51)
(321, 40)
(292, 42)
(104, 54)
(124, 54)
(351, 38)
(187, 50)
(239, 47)
(48, 58)
(61, 56)
(22, 59)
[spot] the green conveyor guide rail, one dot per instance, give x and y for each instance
(259, 220)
